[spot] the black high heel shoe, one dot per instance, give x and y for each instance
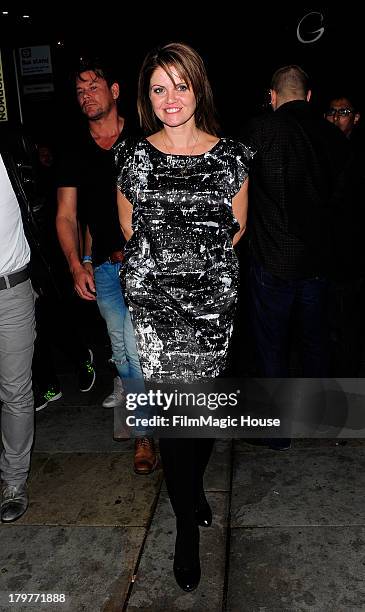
(187, 578)
(186, 560)
(203, 513)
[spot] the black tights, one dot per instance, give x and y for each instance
(184, 462)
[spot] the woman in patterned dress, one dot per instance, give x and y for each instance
(182, 206)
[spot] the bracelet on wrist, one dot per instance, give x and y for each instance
(87, 259)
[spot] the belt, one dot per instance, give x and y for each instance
(11, 280)
(116, 257)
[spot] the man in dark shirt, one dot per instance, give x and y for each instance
(294, 184)
(348, 264)
(343, 113)
(87, 189)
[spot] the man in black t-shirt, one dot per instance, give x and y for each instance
(87, 191)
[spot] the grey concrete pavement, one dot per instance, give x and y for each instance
(288, 533)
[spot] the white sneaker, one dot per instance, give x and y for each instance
(117, 397)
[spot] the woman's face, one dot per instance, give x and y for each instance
(172, 101)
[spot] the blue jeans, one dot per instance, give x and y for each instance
(113, 309)
(273, 303)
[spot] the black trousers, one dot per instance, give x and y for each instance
(346, 327)
(57, 326)
(184, 461)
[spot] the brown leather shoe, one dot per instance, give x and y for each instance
(145, 460)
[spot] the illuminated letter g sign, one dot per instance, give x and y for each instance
(318, 33)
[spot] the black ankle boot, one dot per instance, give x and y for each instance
(203, 511)
(186, 560)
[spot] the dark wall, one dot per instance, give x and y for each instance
(240, 52)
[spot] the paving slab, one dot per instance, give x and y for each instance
(297, 569)
(37, 463)
(327, 442)
(155, 588)
(254, 445)
(91, 489)
(77, 428)
(313, 487)
(91, 566)
(218, 473)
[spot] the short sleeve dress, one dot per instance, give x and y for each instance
(180, 274)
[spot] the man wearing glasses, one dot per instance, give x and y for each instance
(348, 269)
(341, 112)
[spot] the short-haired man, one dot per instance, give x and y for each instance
(293, 179)
(87, 189)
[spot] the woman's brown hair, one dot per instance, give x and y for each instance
(191, 69)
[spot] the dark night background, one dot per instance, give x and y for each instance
(241, 48)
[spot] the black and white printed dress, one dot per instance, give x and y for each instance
(180, 275)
